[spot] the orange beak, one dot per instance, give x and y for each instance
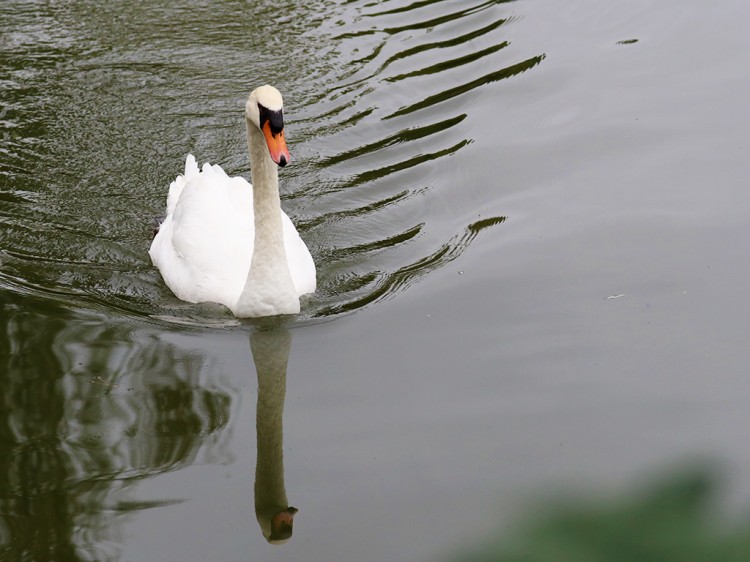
(276, 145)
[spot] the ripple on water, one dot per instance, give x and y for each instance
(381, 99)
(381, 199)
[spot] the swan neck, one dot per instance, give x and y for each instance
(269, 289)
(265, 179)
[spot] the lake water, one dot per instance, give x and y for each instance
(530, 221)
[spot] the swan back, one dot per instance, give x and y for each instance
(204, 246)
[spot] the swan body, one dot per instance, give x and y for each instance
(224, 240)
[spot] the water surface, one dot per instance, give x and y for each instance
(529, 222)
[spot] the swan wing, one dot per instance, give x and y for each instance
(301, 265)
(204, 246)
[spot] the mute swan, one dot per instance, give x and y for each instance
(226, 241)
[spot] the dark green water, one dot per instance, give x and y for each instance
(530, 224)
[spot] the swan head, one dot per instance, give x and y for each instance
(265, 110)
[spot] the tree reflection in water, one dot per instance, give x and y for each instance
(88, 407)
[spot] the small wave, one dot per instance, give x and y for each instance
(381, 96)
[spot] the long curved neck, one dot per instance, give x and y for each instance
(266, 200)
(269, 289)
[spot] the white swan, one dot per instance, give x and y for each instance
(226, 241)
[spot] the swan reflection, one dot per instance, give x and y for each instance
(275, 515)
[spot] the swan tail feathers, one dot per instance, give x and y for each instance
(213, 169)
(191, 167)
(175, 188)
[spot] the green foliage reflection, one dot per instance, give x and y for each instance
(673, 521)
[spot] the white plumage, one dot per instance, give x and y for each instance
(204, 248)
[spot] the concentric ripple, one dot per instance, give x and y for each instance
(101, 106)
(397, 120)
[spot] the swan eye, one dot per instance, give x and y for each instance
(274, 118)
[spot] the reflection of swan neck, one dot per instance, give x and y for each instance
(270, 354)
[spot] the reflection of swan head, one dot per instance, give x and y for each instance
(278, 529)
(275, 515)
